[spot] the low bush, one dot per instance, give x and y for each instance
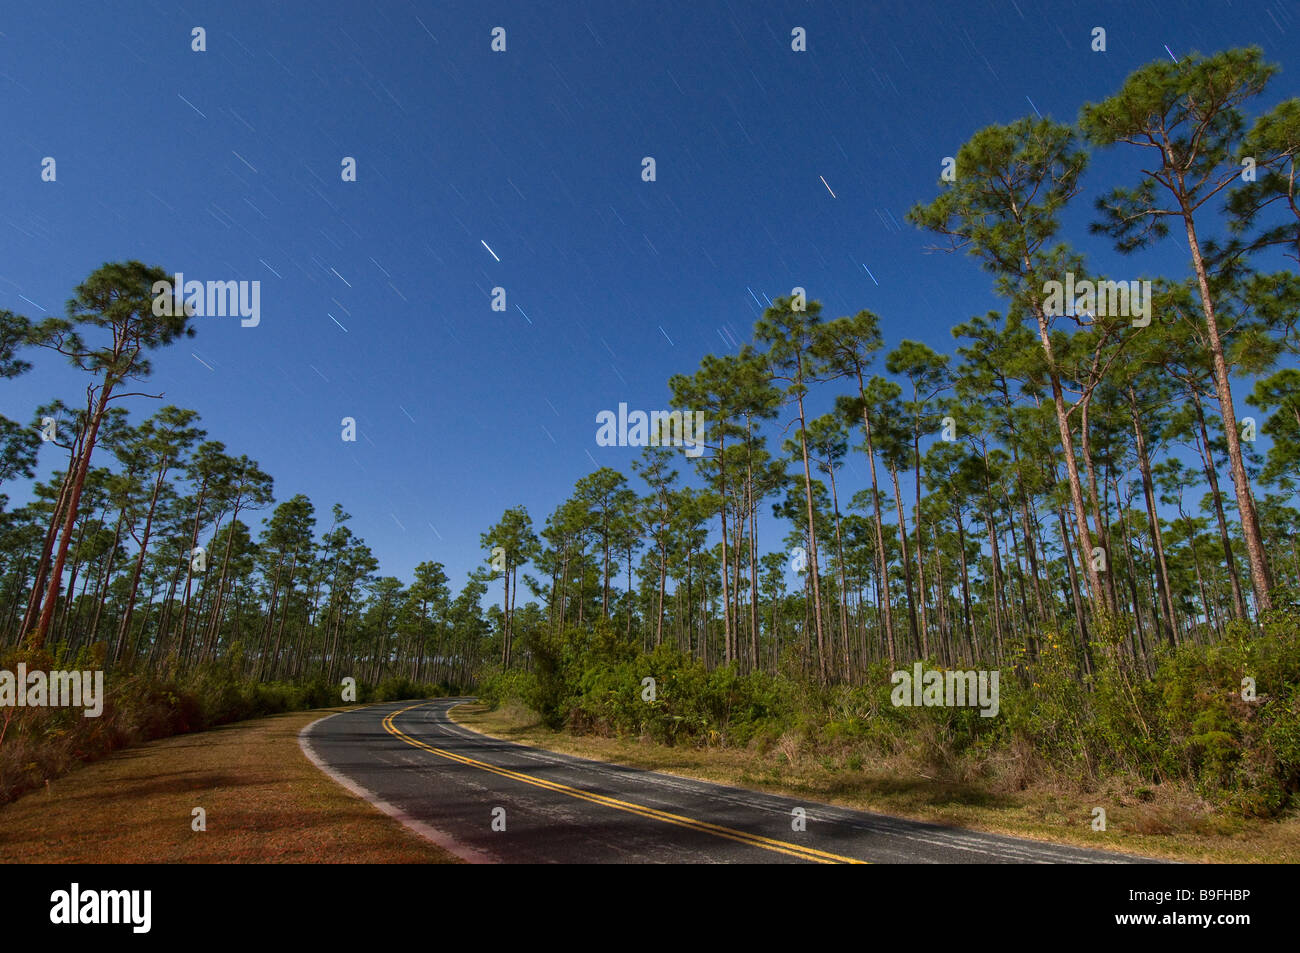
(1188, 723)
(37, 744)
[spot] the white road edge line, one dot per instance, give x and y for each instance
(440, 838)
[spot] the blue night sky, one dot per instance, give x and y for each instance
(375, 294)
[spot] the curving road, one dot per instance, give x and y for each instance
(460, 788)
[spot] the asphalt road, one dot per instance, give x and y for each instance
(460, 788)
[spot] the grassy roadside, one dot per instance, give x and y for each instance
(1174, 824)
(265, 802)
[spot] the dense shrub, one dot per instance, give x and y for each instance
(39, 744)
(1188, 722)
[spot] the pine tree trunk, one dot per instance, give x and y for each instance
(1259, 573)
(83, 466)
(812, 537)
(907, 562)
(881, 558)
(139, 562)
(1212, 477)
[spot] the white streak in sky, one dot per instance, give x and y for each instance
(191, 105)
(828, 188)
(489, 248)
(161, 202)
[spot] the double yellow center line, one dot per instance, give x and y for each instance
(717, 830)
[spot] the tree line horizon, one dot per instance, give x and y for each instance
(1060, 504)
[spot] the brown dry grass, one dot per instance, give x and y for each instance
(1012, 797)
(265, 802)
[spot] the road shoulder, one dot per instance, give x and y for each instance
(1044, 815)
(262, 801)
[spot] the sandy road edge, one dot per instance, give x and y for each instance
(437, 837)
